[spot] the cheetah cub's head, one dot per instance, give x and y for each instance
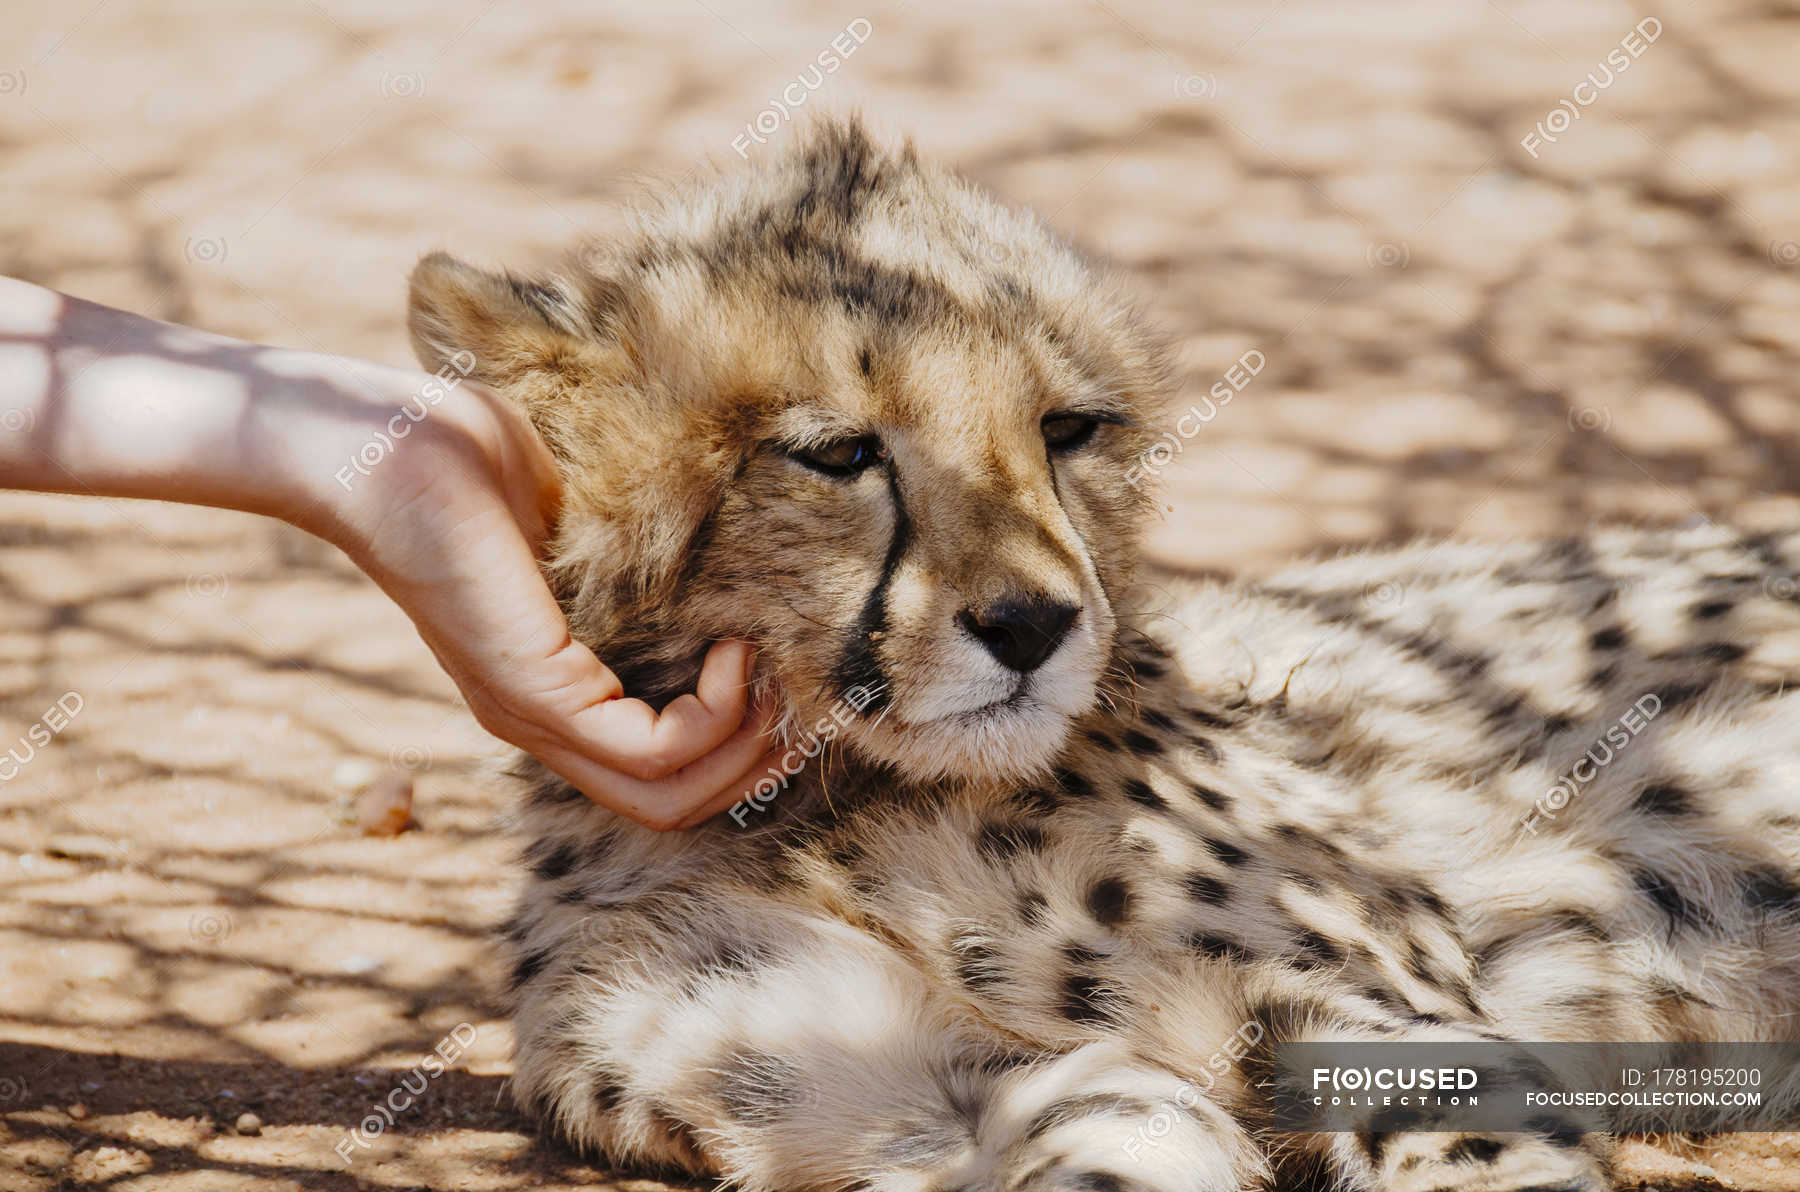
(848, 407)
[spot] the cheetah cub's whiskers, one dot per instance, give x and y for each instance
(1083, 833)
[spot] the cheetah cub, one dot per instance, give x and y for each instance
(1052, 838)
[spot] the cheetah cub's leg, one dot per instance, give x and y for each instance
(785, 1051)
(1099, 1120)
(753, 1041)
(1428, 1162)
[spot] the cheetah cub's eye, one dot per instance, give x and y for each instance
(1066, 432)
(842, 457)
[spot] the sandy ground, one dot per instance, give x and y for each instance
(1461, 334)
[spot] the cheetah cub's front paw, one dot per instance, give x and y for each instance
(1490, 1163)
(1098, 1120)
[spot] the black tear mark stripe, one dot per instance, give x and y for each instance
(861, 665)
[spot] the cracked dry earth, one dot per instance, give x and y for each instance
(1461, 335)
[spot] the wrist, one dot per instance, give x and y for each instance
(325, 441)
(374, 459)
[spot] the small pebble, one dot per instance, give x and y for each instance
(385, 809)
(249, 1123)
(78, 1111)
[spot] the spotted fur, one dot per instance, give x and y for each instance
(1021, 893)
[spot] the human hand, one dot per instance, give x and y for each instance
(109, 403)
(448, 525)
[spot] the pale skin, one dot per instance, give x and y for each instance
(448, 520)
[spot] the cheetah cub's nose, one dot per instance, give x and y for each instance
(1020, 633)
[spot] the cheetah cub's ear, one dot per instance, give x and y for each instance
(532, 340)
(509, 324)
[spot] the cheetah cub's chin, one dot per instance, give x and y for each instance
(1061, 859)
